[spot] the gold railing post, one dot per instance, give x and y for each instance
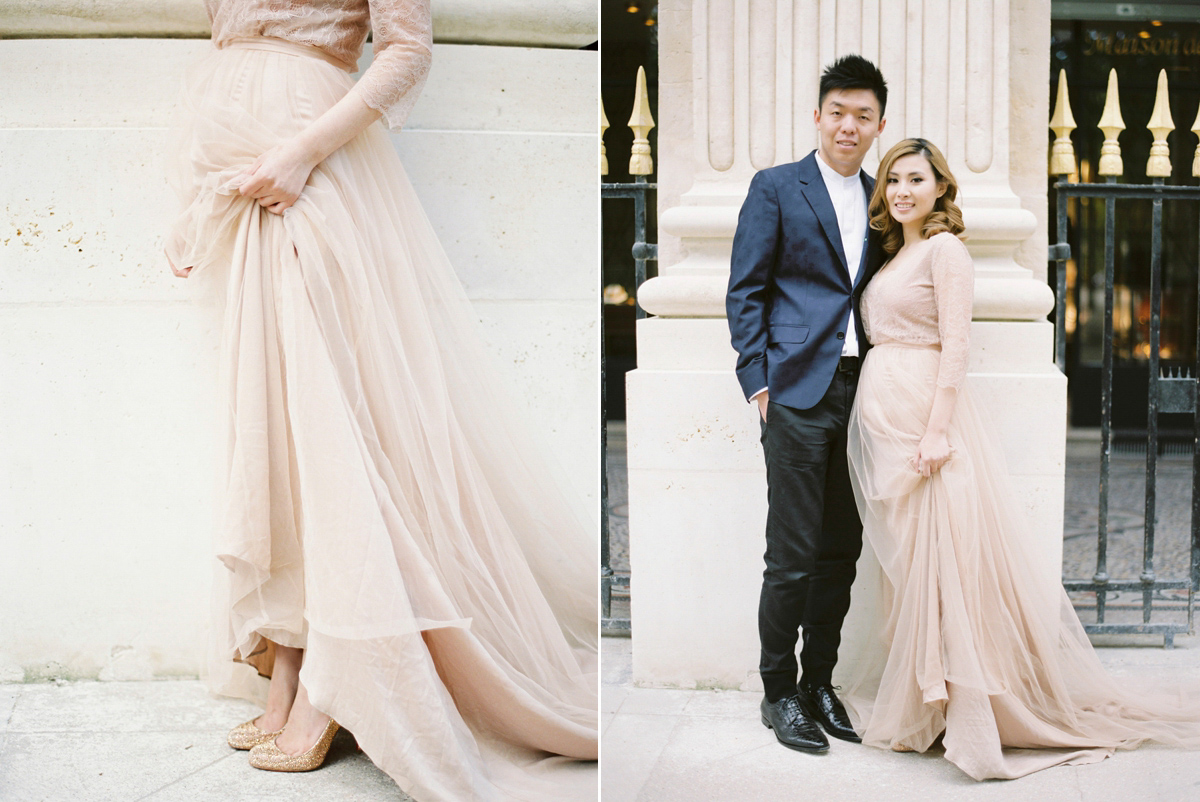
(603, 131)
(1196, 158)
(1161, 124)
(1062, 122)
(640, 160)
(1112, 125)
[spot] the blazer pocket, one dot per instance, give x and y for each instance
(787, 333)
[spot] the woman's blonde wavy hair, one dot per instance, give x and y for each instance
(946, 216)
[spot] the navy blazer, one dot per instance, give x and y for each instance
(790, 294)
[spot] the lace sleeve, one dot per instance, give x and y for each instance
(402, 33)
(954, 292)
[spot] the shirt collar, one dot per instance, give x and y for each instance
(834, 178)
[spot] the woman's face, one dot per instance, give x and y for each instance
(912, 189)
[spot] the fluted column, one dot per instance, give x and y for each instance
(755, 87)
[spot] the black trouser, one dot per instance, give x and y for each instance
(814, 536)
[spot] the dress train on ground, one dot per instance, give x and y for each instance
(974, 642)
(382, 507)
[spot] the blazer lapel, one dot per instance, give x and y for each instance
(818, 198)
(869, 264)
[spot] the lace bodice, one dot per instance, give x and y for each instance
(402, 35)
(924, 297)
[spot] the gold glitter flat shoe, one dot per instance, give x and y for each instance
(248, 735)
(270, 757)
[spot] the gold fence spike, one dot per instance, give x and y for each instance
(1161, 124)
(1112, 125)
(1196, 158)
(640, 160)
(1062, 154)
(603, 130)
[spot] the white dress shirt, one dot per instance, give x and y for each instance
(850, 205)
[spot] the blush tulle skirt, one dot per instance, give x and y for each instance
(382, 508)
(972, 639)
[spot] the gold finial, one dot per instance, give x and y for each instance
(1196, 158)
(603, 130)
(640, 160)
(1112, 125)
(1161, 124)
(1062, 155)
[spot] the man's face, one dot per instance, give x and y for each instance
(848, 122)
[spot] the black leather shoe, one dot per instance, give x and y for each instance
(793, 729)
(821, 703)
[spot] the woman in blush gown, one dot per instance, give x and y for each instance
(977, 647)
(393, 552)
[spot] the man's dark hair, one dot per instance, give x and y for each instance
(853, 72)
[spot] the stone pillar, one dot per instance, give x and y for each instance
(738, 84)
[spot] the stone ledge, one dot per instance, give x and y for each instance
(533, 23)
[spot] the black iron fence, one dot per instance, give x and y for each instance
(639, 190)
(1172, 391)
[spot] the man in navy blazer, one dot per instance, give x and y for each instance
(802, 254)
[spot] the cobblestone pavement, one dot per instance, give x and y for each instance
(617, 470)
(1126, 526)
(1081, 513)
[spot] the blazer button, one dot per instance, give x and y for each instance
(841, 335)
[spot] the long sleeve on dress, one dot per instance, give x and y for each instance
(954, 292)
(402, 33)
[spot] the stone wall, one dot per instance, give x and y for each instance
(108, 363)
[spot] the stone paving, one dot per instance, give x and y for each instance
(162, 741)
(662, 745)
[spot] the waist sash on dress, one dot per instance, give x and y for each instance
(275, 45)
(918, 346)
